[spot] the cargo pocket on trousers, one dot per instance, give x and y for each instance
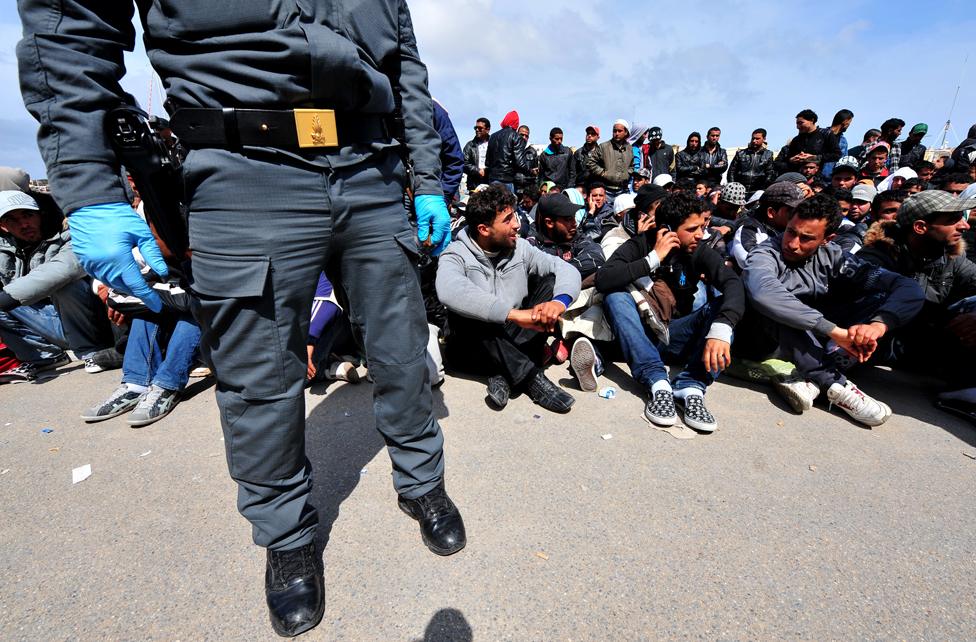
(237, 305)
(410, 244)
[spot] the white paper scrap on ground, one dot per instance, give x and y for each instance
(606, 436)
(145, 453)
(81, 473)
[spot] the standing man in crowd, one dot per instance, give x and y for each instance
(714, 158)
(612, 161)
(556, 162)
(592, 137)
(476, 154)
(912, 149)
(810, 143)
(527, 179)
(838, 127)
(753, 165)
(506, 153)
(274, 194)
(659, 158)
(890, 131)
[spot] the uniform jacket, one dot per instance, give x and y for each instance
(557, 165)
(31, 274)
(752, 168)
(506, 156)
(472, 285)
(945, 280)
(263, 54)
(611, 163)
(791, 294)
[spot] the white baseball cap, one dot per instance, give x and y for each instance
(663, 180)
(622, 203)
(13, 199)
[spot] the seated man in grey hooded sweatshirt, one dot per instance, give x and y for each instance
(504, 297)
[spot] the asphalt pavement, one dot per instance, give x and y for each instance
(588, 526)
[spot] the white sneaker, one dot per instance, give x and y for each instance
(583, 359)
(858, 405)
(797, 391)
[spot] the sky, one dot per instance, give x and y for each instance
(735, 64)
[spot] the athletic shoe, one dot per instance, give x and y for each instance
(759, 371)
(31, 372)
(499, 391)
(121, 401)
(797, 391)
(659, 409)
(583, 360)
(200, 372)
(858, 405)
(91, 367)
(154, 404)
(695, 414)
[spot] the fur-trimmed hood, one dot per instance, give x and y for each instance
(889, 237)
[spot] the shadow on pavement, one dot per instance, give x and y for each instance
(448, 625)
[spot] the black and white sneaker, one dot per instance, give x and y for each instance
(660, 408)
(121, 401)
(93, 367)
(155, 403)
(696, 415)
(24, 373)
(583, 360)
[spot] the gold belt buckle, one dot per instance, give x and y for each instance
(316, 128)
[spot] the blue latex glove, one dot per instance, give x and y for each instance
(102, 237)
(433, 220)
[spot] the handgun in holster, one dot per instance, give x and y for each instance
(154, 162)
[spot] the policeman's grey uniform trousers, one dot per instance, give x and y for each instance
(261, 231)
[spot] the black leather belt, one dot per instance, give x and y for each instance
(291, 129)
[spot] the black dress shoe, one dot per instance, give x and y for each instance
(441, 525)
(498, 391)
(547, 394)
(295, 590)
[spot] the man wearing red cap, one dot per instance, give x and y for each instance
(506, 153)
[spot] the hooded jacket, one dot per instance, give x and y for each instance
(32, 273)
(791, 295)
(506, 152)
(965, 147)
(472, 285)
(945, 280)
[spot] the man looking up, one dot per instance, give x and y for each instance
(504, 297)
(476, 153)
(753, 165)
(699, 340)
(817, 300)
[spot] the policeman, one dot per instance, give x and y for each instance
(285, 106)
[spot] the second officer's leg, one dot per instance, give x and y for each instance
(260, 233)
(375, 249)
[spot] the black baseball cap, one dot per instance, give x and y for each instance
(557, 206)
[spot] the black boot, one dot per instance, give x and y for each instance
(441, 525)
(295, 589)
(547, 394)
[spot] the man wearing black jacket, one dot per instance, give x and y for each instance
(700, 340)
(811, 143)
(506, 153)
(753, 165)
(556, 161)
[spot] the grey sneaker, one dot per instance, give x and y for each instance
(797, 391)
(121, 401)
(583, 359)
(155, 404)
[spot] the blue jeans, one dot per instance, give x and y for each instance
(160, 353)
(643, 351)
(72, 318)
